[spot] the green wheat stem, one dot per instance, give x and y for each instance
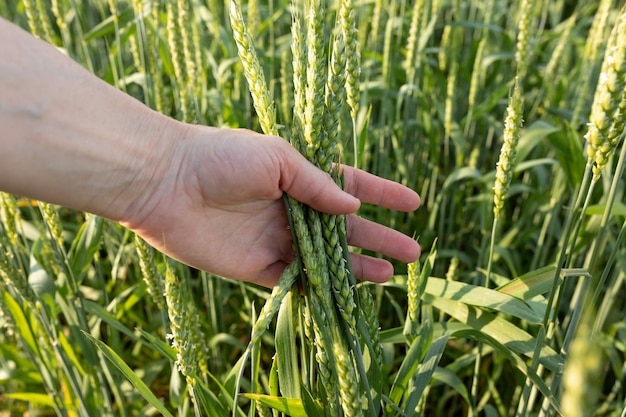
(347, 24)
(612, 196)
(298, 52)
(262, 100)
(568, 228)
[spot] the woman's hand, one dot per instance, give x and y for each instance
(211, 198)
(219, 207)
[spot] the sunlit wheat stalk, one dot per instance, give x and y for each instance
(185, 332)
(348, 386)
(606, 120)
(507, 160)
(179, 49)
(412, 323)
(590, 60)
(348, 26)
(151, 276)
(263, 102)
(315, 79)
(583, 375)
(38, 21)
(524, 33)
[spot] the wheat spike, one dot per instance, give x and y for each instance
(152, 277)
(522, 47)
(353, 56)
(412, 317)
(10, 218)
(271, 306)
(508, 152)
(607, 111)
(315, 80)
(263, 102)
(186, 333)
(348, 382)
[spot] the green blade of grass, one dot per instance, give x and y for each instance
(85, 246)
(481, 297)
(427, 369)
(409, 366)
(531, 284)
(497, 328)
(21, 323)
(286, 351)
(31, 397)
(451, 379)
(290, 406)
(141, 387)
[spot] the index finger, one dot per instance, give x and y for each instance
(372, 189)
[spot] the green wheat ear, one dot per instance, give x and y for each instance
(315, 80)
(583, 375)
(353, 56)
(412, 316)
(347, 378)
(508, 152)
(523, 47)
(149, 272)
(606, 122)
(184, 67)
(271, 306)
(38, 21)
(261, 98)
(10, 218)
(185, 330)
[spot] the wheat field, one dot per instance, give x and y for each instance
(506, 117)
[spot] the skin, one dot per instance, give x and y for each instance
(210, 198)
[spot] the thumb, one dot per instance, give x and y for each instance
(310, 185)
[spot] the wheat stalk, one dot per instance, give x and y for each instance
(353, 56)
(348, 382)
(38, 20)
(522, 46)
(179, 48)
(185, 331)
(149, 272)
(593, 47)
(607, 112)
(507, 160)
(271, 306)
(315, 80)
(263, 102)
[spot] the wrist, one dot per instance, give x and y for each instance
(152, 167)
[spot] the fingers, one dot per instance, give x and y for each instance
(306, 183)
(375, 237)
(364, 268)
(371, 189)
(367, 268)
(310, 185)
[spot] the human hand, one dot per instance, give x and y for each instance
(211, 198)
(218, 207)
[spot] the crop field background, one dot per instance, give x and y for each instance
(507, 117)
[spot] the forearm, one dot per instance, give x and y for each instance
(69, 138)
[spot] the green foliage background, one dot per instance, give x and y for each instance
(435, 83)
